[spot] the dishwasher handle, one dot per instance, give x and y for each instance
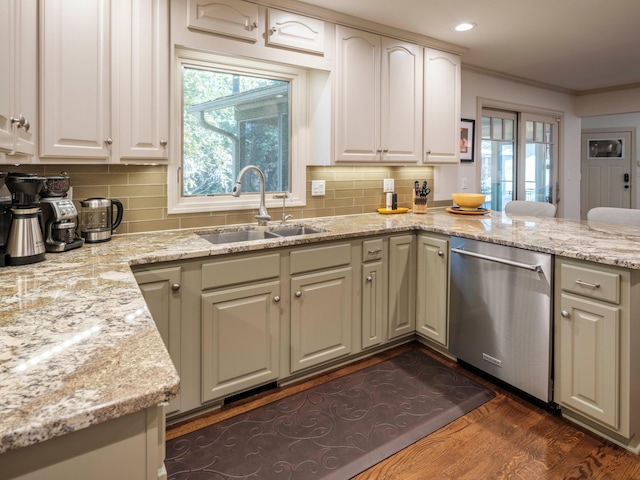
(535, 268)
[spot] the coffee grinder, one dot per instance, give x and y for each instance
(25, 243)
(60, 215)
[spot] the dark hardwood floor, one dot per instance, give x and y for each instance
(506, 438)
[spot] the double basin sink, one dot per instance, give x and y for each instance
(247, 235)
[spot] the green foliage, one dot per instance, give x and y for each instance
(219, 140)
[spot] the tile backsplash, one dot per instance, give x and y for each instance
(142, 189)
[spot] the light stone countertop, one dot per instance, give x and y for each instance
(79, 347)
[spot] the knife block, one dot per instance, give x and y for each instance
(419, 206)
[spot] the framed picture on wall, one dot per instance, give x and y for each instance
(467, 140)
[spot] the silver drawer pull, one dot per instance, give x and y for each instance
(535, 268)
(586, 284)
(374, 252)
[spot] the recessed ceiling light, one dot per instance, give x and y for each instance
(463, 27)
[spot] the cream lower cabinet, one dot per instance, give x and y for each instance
(372, 288)
(596, 363)
(402, 286)
(161, 288)
(241, 313)
(320, 305)
(131, 447)
(432, 298)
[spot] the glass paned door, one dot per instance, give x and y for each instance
(497, 155)
(539, 145)
(518, 155)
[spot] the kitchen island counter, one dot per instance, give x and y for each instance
(79, 346)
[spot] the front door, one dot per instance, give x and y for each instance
(606, 179)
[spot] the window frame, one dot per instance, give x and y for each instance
(298, 137)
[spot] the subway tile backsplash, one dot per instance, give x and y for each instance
(142, 189)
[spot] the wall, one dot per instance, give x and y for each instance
(142, 190)
(474, 85)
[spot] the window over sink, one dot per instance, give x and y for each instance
(234, 112)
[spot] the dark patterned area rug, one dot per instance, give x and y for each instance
(330, 431)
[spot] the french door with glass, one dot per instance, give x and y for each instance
(519, 154)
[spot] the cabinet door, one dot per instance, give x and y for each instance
(589, 358)
(401, 102)
(441, 107)
(432, 288)
(293, 31)
(18, 92)
(357, 117)
(235, 18)
(320, 317)
(161, 290)
(75, 74)
(141, 40)
(402, 286)
(240, 339)
(372, 304)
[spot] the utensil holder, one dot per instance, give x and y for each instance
(420, 205)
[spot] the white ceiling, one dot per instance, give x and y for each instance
(579, 45)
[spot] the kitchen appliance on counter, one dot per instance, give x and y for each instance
(96, 218)
(25, 243)
(501, 314)
(60, 223)
(5, 218)
(60, 215)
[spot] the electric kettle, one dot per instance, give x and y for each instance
(96, 218)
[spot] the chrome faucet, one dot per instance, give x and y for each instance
(283, 196)
(263, 216)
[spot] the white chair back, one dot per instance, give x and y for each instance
(537, 209)
(618, 216)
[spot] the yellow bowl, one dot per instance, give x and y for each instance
(468, 201)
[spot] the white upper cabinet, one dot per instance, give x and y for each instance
(104, 79)
(18, 94)
(142, 38)
(235, 18)
(441, 107)
(378, 98)
(75, 82)
(295, 31)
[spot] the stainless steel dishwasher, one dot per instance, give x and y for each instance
(501, 313)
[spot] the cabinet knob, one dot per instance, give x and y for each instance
(379, 150)
(298, 294)
(108, 140)
(386, 150)
(274, 29)
(21, 121)
(440, 253)
(564, 314)
(175, 287)
(369, 278)
(164, 142)
(276, 298)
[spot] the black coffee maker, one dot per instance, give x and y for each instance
(25, 242)
(5, 218)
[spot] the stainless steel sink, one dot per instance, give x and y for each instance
(295, 230)
(239, 236)
(251, 234)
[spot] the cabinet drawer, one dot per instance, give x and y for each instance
(372, 250)
(591, 282)
(320, 258)
(240, 270)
